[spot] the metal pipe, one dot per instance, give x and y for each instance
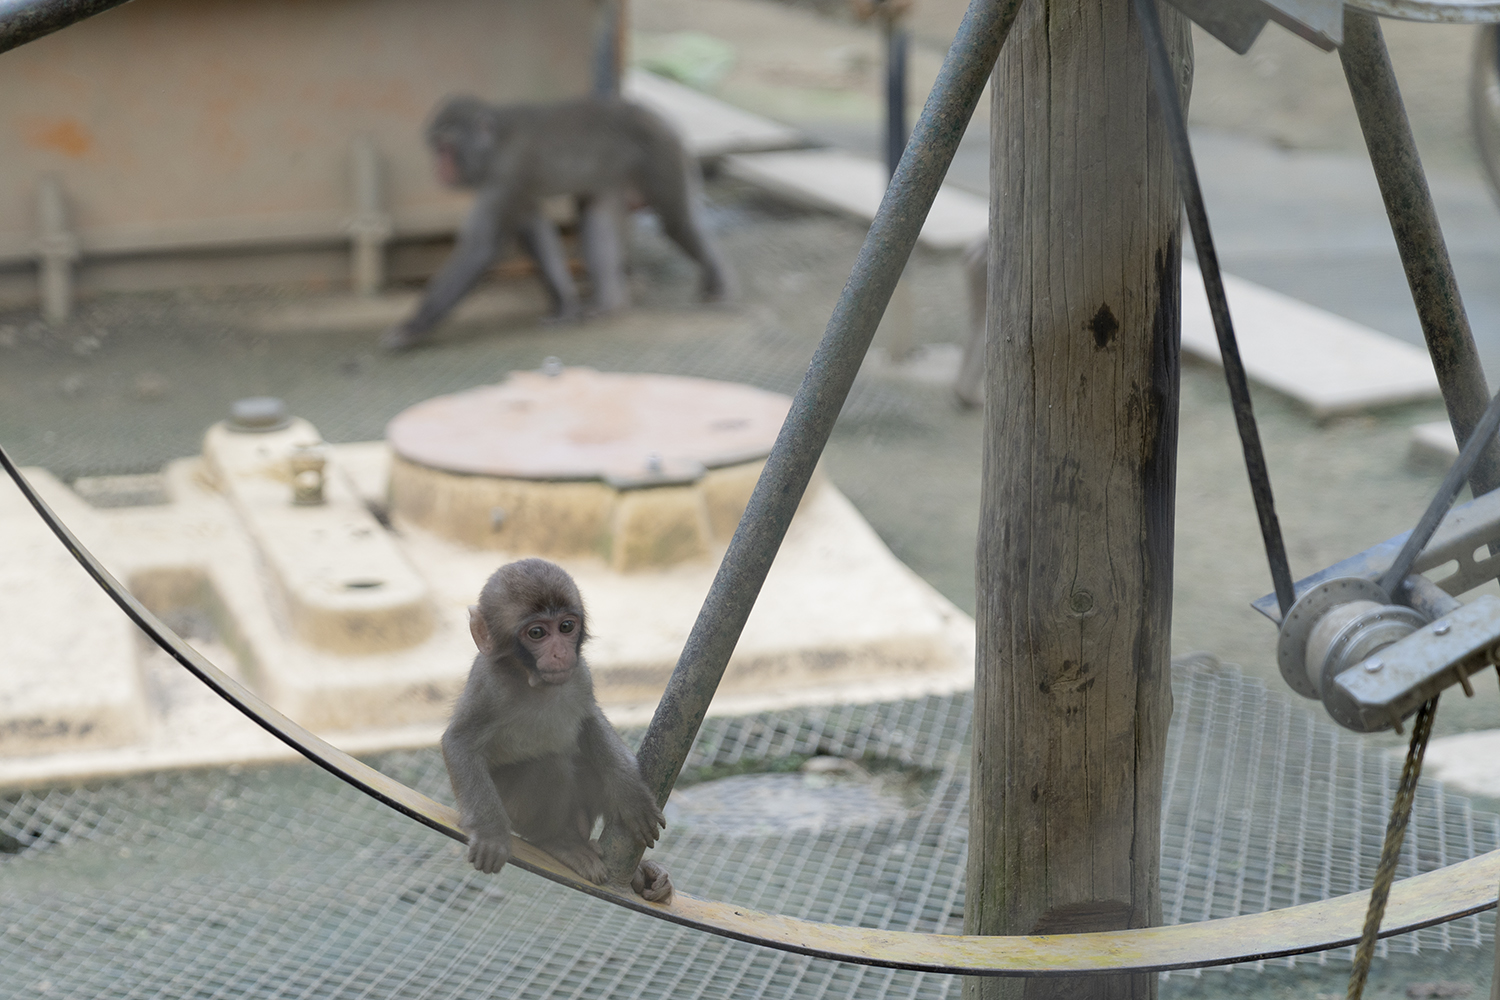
(1419, 238)
(23, 21)
(816, 406)
(1460, 470)
(896, 39)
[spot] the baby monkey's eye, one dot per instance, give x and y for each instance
(567, 626)
(537, 632)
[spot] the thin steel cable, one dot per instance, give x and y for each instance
(1390, 851)
(1218, 304)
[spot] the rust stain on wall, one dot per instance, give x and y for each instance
(58, 135)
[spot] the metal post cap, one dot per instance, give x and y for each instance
(258, 414)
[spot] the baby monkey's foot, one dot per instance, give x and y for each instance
(652, 883)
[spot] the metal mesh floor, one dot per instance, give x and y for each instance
(282, 882)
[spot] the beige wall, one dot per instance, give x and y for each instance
(180, 124)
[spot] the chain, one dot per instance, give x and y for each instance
(1390, 851)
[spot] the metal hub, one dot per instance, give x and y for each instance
(1311, 607)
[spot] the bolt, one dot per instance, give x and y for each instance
(1373, 666)
(1441, 628)
(552, 367)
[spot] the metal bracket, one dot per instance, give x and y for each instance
(1371, 665)
(1394, 682)
(1237, 23)
(1465, 537)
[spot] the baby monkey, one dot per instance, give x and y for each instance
(528, 750)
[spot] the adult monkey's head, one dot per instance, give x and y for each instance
(462, 135)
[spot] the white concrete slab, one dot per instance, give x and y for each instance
(1434, 442)
(709, 127)
(344, 584)
(840, 620)
(852, 185)
(1466, 762)
(67, 655)
(928, 364)
(1331, 364)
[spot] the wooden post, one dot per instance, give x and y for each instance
(1072, 680)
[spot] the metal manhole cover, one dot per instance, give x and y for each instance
(578, 423)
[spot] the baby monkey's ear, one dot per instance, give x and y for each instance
(480, 630)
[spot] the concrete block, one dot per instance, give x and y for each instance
(1434, 443)
(68, 679)
(837, 610)
(346, 586)
(1331, 364)
(709, 127)
(840, 620)
(642, 470)
(659, 527)
(514, 515)
(852, 185)
(1466, 762)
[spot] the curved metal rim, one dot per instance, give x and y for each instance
(1456, 891)
(1432, 11)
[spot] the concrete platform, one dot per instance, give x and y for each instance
(1466, 762)
(840, 620)
(67, 656)
(852, 185)
(1434, 442)
(709, 127)
(1330, 364)
(342, 581)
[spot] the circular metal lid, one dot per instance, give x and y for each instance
(583, 424)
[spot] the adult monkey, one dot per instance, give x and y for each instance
(528, 750)
(595, 149)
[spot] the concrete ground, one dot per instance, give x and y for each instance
(133, 381)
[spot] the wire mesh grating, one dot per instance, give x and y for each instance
(281, 882)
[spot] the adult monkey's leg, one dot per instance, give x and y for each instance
(478, 244)
(546, 248)
(603, 253)
(677, 196)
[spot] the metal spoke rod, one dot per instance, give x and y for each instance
(816, 406)
(1462, 466)
(1208, 262)
(23, 21)
(1419, 238)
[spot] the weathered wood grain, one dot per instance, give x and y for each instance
(1075, 542)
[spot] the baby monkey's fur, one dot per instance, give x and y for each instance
(528, 750)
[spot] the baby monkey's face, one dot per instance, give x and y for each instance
(551, 642)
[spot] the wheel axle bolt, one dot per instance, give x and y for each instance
(1441, 628)
(1373, 666)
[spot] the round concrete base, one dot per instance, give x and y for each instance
(630, 529)
(645, 471)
